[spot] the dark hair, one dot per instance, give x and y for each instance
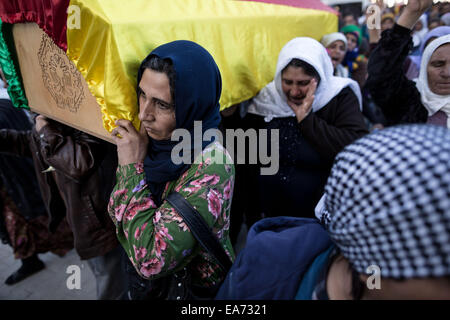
(307, 68)
(364, 47)
(349, 14)
(165, 66)
(438, 20)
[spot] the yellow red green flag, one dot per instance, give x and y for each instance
(244, 37)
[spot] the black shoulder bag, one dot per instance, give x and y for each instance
(178, 286)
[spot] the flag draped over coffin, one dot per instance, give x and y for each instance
(111, 37)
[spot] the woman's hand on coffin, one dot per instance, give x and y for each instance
(41, 121)
(131, 144)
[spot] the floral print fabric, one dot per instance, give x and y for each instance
(157, 240)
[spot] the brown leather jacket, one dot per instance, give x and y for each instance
(78, 183)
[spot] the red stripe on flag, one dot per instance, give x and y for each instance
(50, 15)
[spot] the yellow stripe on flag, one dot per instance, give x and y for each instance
(243, 37)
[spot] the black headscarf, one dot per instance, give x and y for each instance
(198, 86)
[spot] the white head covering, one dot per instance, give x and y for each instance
(332, 37)
(432, 102)
(419, 35)
(271, 102)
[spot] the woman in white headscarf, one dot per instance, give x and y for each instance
(433, 83)
(426, 100)
(416, 59)
(336, 46)
(420, 30)
(316, 113)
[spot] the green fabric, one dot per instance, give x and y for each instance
(355, 29)
(10, 70)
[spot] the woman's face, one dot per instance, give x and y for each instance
(352, 41)
(418, 26)
(295, 83)
(336, 51)
(438, 70)
(156, 109)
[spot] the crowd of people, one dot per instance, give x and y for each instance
(363, 119)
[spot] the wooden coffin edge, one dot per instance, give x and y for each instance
(53, 85)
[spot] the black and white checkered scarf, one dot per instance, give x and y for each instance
(387, 202)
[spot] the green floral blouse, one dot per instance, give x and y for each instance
(156, 240)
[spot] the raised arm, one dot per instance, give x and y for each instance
(412, 12)
(374, 29)
(397, 96)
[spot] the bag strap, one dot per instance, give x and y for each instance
(200, 229)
